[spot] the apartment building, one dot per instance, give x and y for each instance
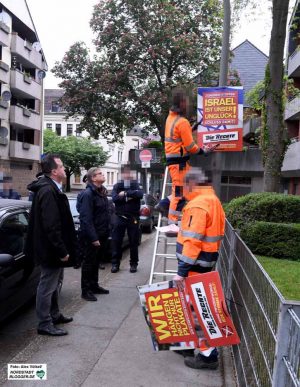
(22, 70)
(56, 120)
(291, 163)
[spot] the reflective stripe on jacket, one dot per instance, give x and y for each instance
(179, 142)
(202, 229)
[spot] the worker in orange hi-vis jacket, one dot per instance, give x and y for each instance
(179, 144)
(198, 241)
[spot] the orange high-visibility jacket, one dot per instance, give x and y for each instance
(202, 229)
(179, 142)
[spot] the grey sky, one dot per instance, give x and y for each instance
(60, 23)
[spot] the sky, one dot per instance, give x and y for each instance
(60, 23)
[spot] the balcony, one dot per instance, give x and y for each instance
(4, 72)
(4, 110)
(26, 53)
(24, 118)
(292, 109)
(294, 64)
(291, 162)
(4, 34)
(23, 150)
(22, 86)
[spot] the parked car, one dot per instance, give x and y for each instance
(148, 213)
(19, 276)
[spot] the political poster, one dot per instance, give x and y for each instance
(208, 300)
(168, 316)
(186, 319)
(220, 113)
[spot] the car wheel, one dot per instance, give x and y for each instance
(149, 228)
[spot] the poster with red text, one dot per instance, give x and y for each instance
(174, 325)
(220, 113)
(208, 300)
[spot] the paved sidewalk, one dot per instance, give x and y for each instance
(109, 344)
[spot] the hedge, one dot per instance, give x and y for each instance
(273, 239)
(266, 206)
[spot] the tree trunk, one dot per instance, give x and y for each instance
(273, 142)
(68, 180)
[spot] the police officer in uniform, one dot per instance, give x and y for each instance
(126, 196)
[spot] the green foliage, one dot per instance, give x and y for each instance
(268, 207)
(144, 49)
(273, 239)
(75, 152)
(152, 144)
(254, 96)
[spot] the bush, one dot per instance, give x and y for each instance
(266, 206)
(273, 239)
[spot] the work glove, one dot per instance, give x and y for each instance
(209, 149)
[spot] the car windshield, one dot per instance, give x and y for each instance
(72, 203)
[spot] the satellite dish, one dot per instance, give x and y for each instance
(6, 96)
(36, 46)
(41, 74)
(3, 131)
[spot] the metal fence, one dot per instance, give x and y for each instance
(268, 325)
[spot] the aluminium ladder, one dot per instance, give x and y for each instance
(165, 262)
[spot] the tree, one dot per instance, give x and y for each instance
(75, 152)
(273, 140)
(144, 49)
(273, 137)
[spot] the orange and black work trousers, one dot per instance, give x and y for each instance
(177, 173)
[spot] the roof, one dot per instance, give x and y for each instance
(7, 203)
(250, 63)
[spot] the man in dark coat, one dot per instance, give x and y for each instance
(94, 218)
(51, 241)
(127, 196)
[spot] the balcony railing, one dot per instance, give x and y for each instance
(291, 162)
(20, 83)
(294, 64)
(24, 49)
(292, 110)
(25, 118)
(4, 34)
(21, 150)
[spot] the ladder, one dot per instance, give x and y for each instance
(165, 261)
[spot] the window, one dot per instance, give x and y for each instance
(119, 156)
(69, 129)
(13, 233)
(55, 107)
(112, 177)
(108, 178)
(49, 125)
(77, 179)
(78, 130)
(58, 129)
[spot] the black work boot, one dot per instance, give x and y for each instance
(133, 268)
(88, 296)
(115, 268)
(200, 362)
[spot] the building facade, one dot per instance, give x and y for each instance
(291, 163)
(22, 69)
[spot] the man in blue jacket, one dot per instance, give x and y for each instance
(126, 196)
(94, 215)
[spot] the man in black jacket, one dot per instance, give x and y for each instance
(51, 241)
(94, 218)
(127, 196)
